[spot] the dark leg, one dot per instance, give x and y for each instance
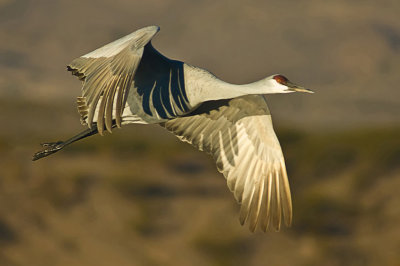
(54, 147)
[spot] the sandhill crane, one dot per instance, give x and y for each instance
(128, 81)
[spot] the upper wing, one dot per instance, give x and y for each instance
(107, 74)
(240, 137)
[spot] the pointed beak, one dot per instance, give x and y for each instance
(294, 87)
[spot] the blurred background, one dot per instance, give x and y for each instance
(141, 197)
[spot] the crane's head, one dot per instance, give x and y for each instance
(283, 85)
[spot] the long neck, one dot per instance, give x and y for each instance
(203, 86)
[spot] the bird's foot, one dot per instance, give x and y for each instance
(49, 148)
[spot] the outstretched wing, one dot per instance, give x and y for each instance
(239, 135)
(107, 74)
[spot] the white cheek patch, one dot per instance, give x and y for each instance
(279, 88)
(282, 87)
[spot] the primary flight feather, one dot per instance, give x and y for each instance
(128, 81)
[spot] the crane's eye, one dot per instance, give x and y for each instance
(281, 79)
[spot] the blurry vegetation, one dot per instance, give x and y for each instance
(141, 184)
(7, 234)
(224, 248)
(64, 192)
(320, 215)
(371, 153)
(329, 173)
